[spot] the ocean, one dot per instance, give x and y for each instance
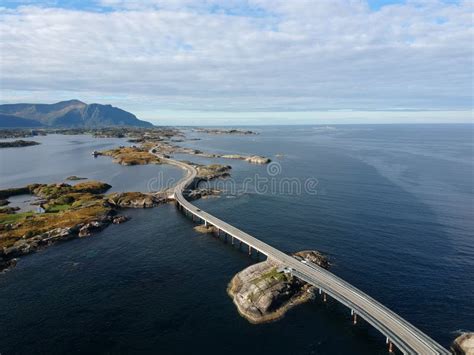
(391, 205)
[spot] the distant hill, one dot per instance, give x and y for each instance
(9, 121)
(72, 113)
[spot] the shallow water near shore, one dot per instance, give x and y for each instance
(393, 210)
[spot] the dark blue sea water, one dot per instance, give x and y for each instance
(393, 209)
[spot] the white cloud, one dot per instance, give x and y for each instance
(275, 55)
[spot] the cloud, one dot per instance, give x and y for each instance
(255, 55)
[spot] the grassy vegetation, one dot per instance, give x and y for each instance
(13, 217)
(93, 187)
(56, 191)
(125, 197)
(30, 224)
(274, 274)
(57, 208)
(252, 297)
(66, 206)
(131, 156)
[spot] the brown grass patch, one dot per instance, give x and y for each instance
(131, 156)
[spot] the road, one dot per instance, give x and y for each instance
(406, 337)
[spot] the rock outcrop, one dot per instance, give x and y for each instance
(463, 344)
(27, 245)
(131, 156)
(72, 211)
(9, 210)
(75, 178)
(120, 219)
(135, 200)
(257, 159)
(205, 229)
(202, 193)
(213, 171)
(263, 292)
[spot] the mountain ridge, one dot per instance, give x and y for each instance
(70, 113)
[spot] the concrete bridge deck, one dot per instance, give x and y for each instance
(406, 337)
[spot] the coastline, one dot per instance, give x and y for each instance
(273, 316)
(227, 215)
(114, 202)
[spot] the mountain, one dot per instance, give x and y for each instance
(9, 121)
(72, 113)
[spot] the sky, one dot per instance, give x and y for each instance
(229, 62)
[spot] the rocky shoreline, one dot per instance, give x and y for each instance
(81, 210)
(463, 344)
(69, 211)
(24, 233)
(263, 292)
(65, 212)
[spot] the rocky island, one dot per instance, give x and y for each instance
(75, 178)
(224, 131)
(254, 159)
(66, 212)
(263, 292)
(17, 144)
(131, 156)
(136, 199)
(463, 344)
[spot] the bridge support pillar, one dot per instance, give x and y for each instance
(250, 250)
(390, 346)
(354, 319)
(205, 223)
(232, 240)
(324, 297)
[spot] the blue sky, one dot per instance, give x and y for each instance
(245, 61)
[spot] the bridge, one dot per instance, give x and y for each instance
(398, 332)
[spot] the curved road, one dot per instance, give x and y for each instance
(398, 331)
